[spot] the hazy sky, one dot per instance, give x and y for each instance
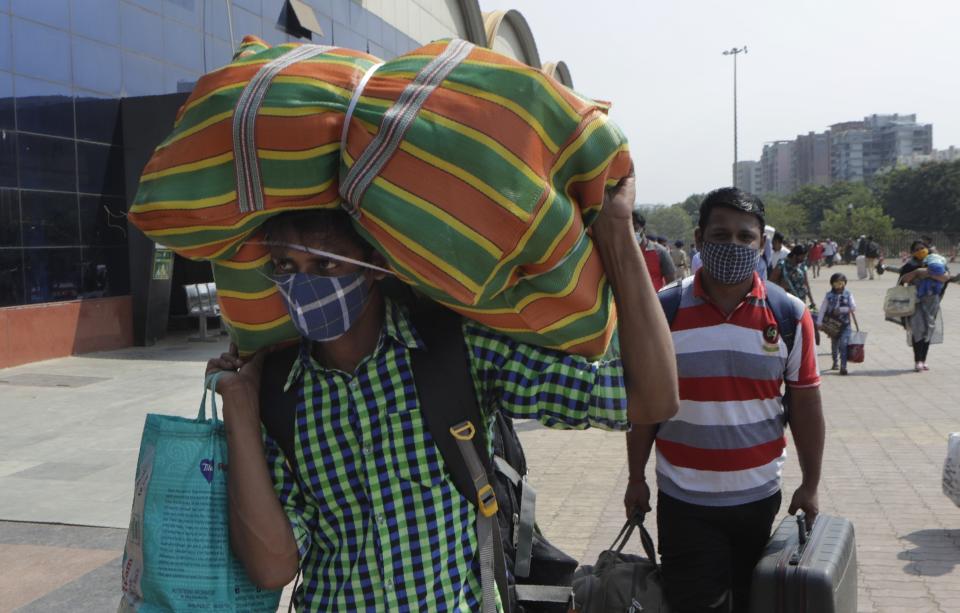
(810, 63)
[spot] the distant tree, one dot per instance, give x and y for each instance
(869, 220)
(789, 219)
(691, 205)
(925, 198)
(670, 221)
(816, 200)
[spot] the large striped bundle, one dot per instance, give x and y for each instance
(476, 177)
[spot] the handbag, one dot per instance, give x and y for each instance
(855, 348)
(831, 325)
(900, 301)
(620, 581)
(177, 555)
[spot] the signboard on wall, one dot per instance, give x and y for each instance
(162, 264)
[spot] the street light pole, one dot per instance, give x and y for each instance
(735, 52)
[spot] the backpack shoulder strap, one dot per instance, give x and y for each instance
(670, 296)
(783, 312)
(278, 408)
(441, 372)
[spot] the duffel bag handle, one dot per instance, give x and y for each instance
(636, 521)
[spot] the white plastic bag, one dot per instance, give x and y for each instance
(951, 469)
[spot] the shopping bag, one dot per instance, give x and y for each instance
(855, 348)
(177, 555)
(832, 326)
(900, 301)
(951, 469)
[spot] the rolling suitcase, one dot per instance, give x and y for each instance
(807, 572)
(862, 267)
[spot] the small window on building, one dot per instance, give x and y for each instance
(298, 19)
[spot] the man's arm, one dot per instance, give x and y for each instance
(260, 532)
(646, 348)
(806, 422)
(639, 444)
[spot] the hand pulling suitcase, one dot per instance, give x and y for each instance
(807, 572)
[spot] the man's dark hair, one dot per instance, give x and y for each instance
(638, 218)
(837, 276)
(323, 223)
(798, 250)
(918, 243)
(778, 236)
(731, 198)
(678, 243)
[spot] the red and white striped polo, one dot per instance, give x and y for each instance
(726, 444)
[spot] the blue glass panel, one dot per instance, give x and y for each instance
(155, 6)
(374, 28)
(141, 76)
(272, 9)
(6, 100)
(49, 219)
(182, 45)
(98, 19)
(51, 12)
(177, 79)
(8, 160)
(388, 40)
(376, 50)
(11, 277)
(9, 218)
(215, 20)
(343, 36)
(272, 35)
(254, 6)
(141, 31)
(4, 6)
(102, 220)
(99, 169)
(245, 22)
(96, 66)
(105, 271)
(341, 11)
(53, 63)
(6, 52)
(358, 18)
(98, 119)
(52, 274)
(218, 53)
(326, 24)
(187, 11)
(47, 163)
(43, 107)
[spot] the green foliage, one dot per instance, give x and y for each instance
(691, 205)
(790, 219)
(926, 199)
(670, 221)
(867, 220)
(817, 200)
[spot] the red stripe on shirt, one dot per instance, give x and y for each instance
(748, 315)
(721, 389)
(723, 460)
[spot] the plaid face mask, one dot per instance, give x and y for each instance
(323, 308)
(729, 263)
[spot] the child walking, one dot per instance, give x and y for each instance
(838, 305)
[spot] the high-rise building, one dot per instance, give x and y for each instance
(749, 175)
(913, 160)
(777, 167)
(859, 149)
(812, 159)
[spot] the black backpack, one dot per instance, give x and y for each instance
(532, 575)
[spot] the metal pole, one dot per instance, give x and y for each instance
(735, 52)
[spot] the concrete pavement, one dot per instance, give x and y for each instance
(72, 428)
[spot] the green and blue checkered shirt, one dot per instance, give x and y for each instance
(379, 524)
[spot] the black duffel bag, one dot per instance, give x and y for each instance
(621, 582)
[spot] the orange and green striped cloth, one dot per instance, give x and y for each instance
(476, 177)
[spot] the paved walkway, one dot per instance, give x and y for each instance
(72, 426)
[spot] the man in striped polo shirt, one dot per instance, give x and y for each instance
(720, 458)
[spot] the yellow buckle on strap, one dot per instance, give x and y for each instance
(464, 431)
(487, 501)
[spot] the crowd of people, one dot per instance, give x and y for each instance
(365, 495)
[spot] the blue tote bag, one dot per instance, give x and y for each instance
(177, 555)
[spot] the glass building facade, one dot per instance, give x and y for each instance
(65, 65)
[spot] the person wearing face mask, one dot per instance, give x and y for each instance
(719, 459)
(365, 507)
(791, 274)
(659, 263)
(928, 272)
(840, 305)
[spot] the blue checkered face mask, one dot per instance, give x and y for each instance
(323, 308)
(729, 263)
